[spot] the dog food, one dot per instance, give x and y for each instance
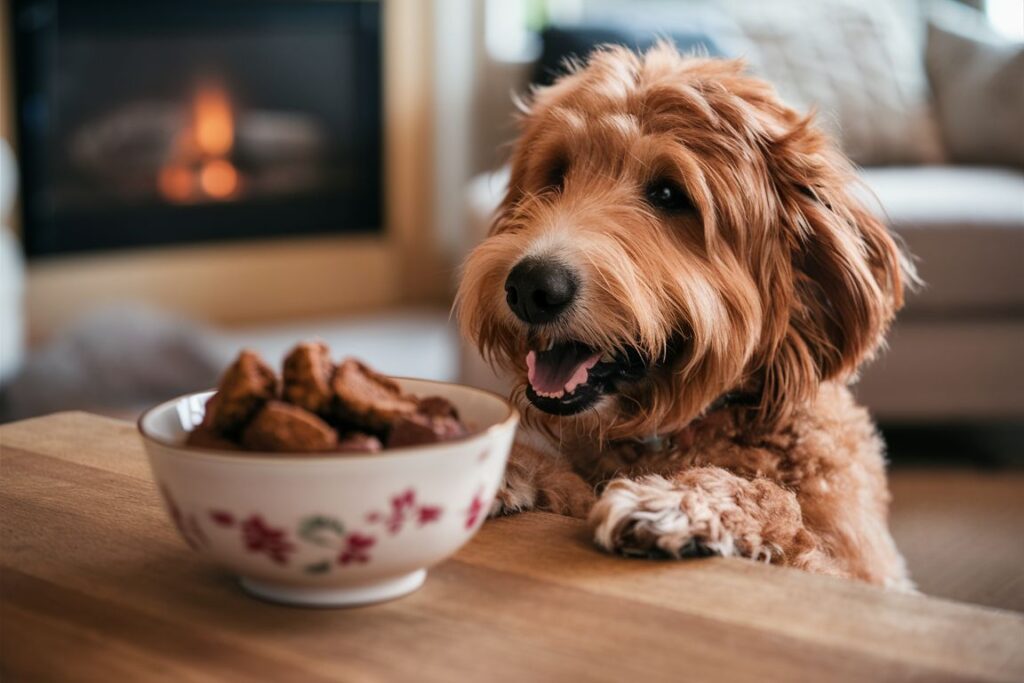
(318, 407)
(306, 378)
(280, 426)
(369, 400)
(245, 387)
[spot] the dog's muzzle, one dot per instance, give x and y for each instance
(564, 376)
(538, 290)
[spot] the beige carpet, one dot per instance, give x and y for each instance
(962, 533)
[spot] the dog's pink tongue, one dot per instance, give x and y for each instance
(558, 371)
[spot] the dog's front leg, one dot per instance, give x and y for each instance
(535, 480)
(706, 511)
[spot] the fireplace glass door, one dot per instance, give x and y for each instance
(155, 123)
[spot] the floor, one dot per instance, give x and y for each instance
(962, 533)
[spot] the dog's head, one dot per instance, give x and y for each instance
(672, 232)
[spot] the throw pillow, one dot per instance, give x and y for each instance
(978, 79)
(858, 62)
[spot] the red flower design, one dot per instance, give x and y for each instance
(400, 505)
(356, 549)
(476, 507)
(404, 500)
(427, 514)
(404, 506)
(222, 518)
(259, 537)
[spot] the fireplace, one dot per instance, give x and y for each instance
(145, 124)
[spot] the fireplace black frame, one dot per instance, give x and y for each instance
(46, 232)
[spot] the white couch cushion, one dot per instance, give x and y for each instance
(965, 226)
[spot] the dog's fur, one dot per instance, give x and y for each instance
(774, 287)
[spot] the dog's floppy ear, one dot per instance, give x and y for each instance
(843, 270)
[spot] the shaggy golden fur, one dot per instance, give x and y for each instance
(772, 283)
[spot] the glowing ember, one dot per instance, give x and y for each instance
(218, 178)
(176, 183)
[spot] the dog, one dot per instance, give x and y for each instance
(682, 284)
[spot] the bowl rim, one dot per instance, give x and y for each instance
(510, 419)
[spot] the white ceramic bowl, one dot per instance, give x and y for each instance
(332, 529)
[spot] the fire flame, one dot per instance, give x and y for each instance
(200, 167)
(214, 121)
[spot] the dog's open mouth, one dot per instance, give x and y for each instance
(569, 377)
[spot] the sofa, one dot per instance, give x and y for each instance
(947, 176)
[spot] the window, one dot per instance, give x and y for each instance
(1006, 17)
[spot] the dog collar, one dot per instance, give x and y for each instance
(659, 443)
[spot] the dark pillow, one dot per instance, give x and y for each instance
(561, 43)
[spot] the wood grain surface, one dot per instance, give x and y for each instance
(96, 586)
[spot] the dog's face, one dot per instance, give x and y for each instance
(672, 233)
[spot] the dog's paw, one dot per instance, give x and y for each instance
(566, 494)
(515, 495)
(654, 517)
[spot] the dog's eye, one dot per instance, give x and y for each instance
(667, 196)
(556, 176)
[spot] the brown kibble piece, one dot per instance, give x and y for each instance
(437, 406)
(413, 430)
(204, 437)
(307, 377)
(367, 399)
(283, 428)
(245, 386)
(419, 429)
(359, 442)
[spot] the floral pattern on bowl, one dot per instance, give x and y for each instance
(331, 529)
(345, 547)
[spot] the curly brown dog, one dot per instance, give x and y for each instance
(682, 285)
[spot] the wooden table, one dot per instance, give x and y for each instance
(96, 586)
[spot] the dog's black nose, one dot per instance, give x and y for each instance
(539, 289)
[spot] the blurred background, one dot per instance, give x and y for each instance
(182, 179)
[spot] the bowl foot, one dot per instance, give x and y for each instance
(305, 596)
